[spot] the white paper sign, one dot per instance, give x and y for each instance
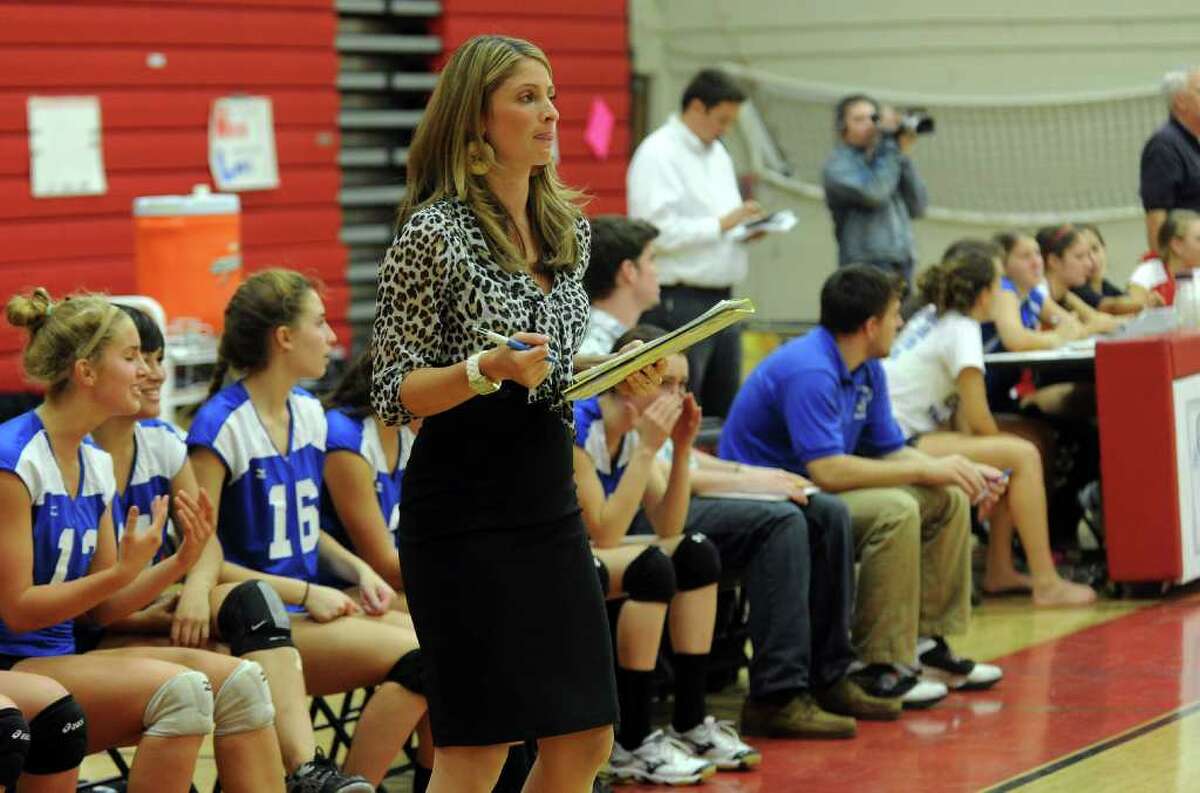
(241, 144)
(65, 156)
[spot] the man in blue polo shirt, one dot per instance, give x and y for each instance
(819, 406)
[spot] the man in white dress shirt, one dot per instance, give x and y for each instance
(682, 180)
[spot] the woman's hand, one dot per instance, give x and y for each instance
(325, 604)
(377, 594)
(191, 620)
(644, 381)
(527, 367)
(687, 426)
(195, 517)
(137, 546)
(753, 479)
(655, 424)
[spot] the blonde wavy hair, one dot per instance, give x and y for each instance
(74, 329)
(438, 160)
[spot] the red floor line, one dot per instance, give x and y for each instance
(1057, 698)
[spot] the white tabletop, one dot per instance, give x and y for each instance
(1081, 352)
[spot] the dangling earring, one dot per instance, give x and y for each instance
(480, 156)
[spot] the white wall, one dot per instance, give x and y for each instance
(1018, 47)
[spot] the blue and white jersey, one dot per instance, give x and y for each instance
(159, 453)
(65, 526)
(590, 436)
(360, 435)
(270, 518)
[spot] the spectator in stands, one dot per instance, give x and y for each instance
(681, 179)
(1101, 293)
(819, 406)
(616, 474)
(1021, 309)
(1179, 250)
(935, 379)
(872, 188)
(1170, 167)
(1067, 252)
(621, 280)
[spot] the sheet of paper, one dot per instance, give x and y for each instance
(775, 223)
(600, 123)
(604, 376)
(65, 153)
(241, 144)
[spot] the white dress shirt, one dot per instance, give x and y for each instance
(684, 186)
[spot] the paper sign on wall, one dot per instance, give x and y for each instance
(65, 156)
(599, 131)
(241, 144)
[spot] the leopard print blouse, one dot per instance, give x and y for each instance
(439, 283)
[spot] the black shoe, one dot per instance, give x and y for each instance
(959, 674)
(320, 775)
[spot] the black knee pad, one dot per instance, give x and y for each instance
(697, 563)
(602, 574)
(59, 738)
(650, 577)
(14, 746)
(253, 618)
(408, 672)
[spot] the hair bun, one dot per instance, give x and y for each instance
(30, 311)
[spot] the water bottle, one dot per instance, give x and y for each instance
(1185, 301)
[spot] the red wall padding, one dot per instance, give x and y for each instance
(155, 135)
(588, 47)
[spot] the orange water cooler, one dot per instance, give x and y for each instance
(187, 252)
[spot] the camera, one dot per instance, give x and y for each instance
(914, 121)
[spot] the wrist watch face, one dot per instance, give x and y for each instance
(478, 381)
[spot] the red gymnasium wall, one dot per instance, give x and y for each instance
(155, 135)
(588, 47)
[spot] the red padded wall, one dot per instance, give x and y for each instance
(155, 134)
(588, 47)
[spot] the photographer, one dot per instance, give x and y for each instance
(871, 187)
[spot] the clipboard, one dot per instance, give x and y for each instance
(602, 377)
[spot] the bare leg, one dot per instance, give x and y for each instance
(285, 675)
(31, 694)
(247, 762)
(1025, 503)
(569, 763)
(467, 769)
(114, 692)
(352, 652)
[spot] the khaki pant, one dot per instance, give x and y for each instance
(914, 548)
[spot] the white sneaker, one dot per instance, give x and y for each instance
(718, 742)
(660, 760)
(939, 662)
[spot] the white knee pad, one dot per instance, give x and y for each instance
(244, 702)
(182, 706)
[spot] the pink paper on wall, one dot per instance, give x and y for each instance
(599, 130)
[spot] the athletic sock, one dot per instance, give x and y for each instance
(634, 692)
(691, 672)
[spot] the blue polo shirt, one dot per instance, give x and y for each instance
(802, 404)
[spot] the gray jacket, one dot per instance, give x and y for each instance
(873, 203)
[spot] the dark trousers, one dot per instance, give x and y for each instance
(799, 578)
(715, 364)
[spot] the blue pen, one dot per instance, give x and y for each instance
(512, 344)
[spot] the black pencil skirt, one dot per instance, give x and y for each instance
(500, 579)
